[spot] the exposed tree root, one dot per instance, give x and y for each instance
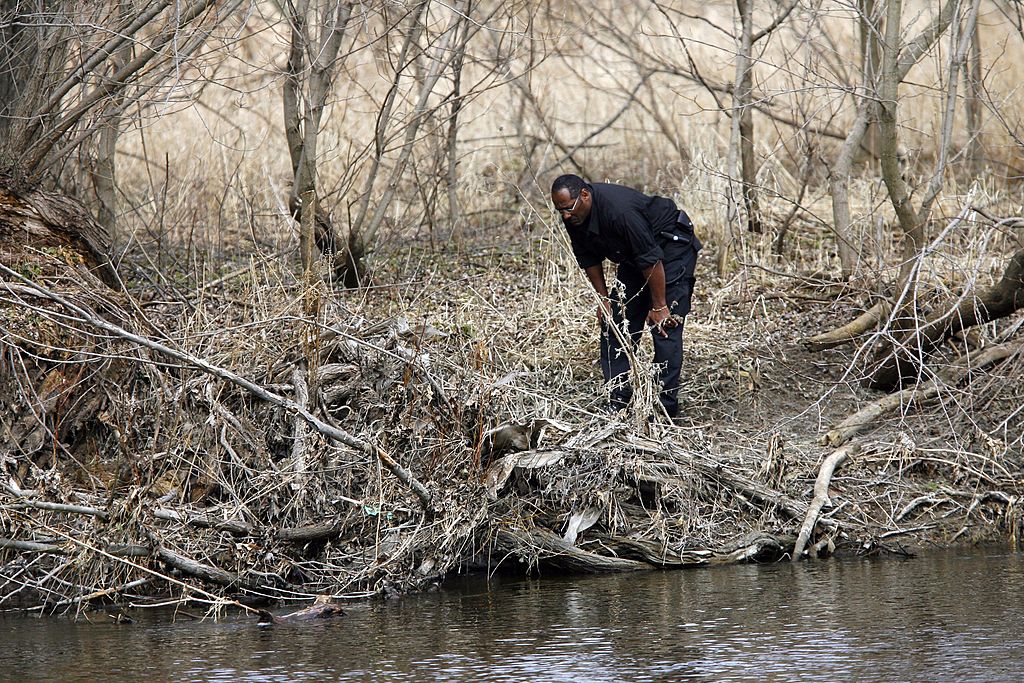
(868, 416)
(852, 330)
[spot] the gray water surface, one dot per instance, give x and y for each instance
(956, 616)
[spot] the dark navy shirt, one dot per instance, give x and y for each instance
(627, 227)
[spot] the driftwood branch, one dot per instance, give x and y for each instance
(750, 548)
(299, 534)
(31, 546)
(555, 551)
(828, 467)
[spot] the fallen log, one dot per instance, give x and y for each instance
(308, 534)
(868, 416)
(31, 546)
(198, 570)
(902, 360)
(183, 564)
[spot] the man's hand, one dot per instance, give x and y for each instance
(660, 318)
(604, 311)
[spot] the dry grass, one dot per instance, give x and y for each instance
(442, 349)
(217, 173)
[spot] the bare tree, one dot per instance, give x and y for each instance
(103, 171)
(912, 222)
(740, 148)
(69, 70)
(56, 98)
(317, 31)
(879, 85)
(742, 136)
(436, 60)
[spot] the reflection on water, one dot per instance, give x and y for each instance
(948, 616)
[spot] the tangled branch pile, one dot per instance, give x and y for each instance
(125, 468)
(279, 444)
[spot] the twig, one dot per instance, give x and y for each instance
(96, 594)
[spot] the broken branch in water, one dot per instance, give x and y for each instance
(821, 484)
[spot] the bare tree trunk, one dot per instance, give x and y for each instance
(104, 171)
(312, 60)
(32, 52)
(847, 245)
(901, 58)
(104, 174)
(868, 108)
(870, 59)
(888, 94)
(454, 213)
(912, 223)
(975, 146)
(357, 245)
(740, 101)
(748, 161)
(961, 39)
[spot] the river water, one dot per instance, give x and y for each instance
(951, 616)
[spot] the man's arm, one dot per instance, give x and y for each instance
(596, 276)
(646, 250)
(659, 317)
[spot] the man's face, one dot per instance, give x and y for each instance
(573, 211)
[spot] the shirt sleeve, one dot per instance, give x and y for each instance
(637, 232)
(585, 255)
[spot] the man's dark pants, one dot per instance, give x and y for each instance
(668, 350)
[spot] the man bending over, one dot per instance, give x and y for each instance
(653, 243)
